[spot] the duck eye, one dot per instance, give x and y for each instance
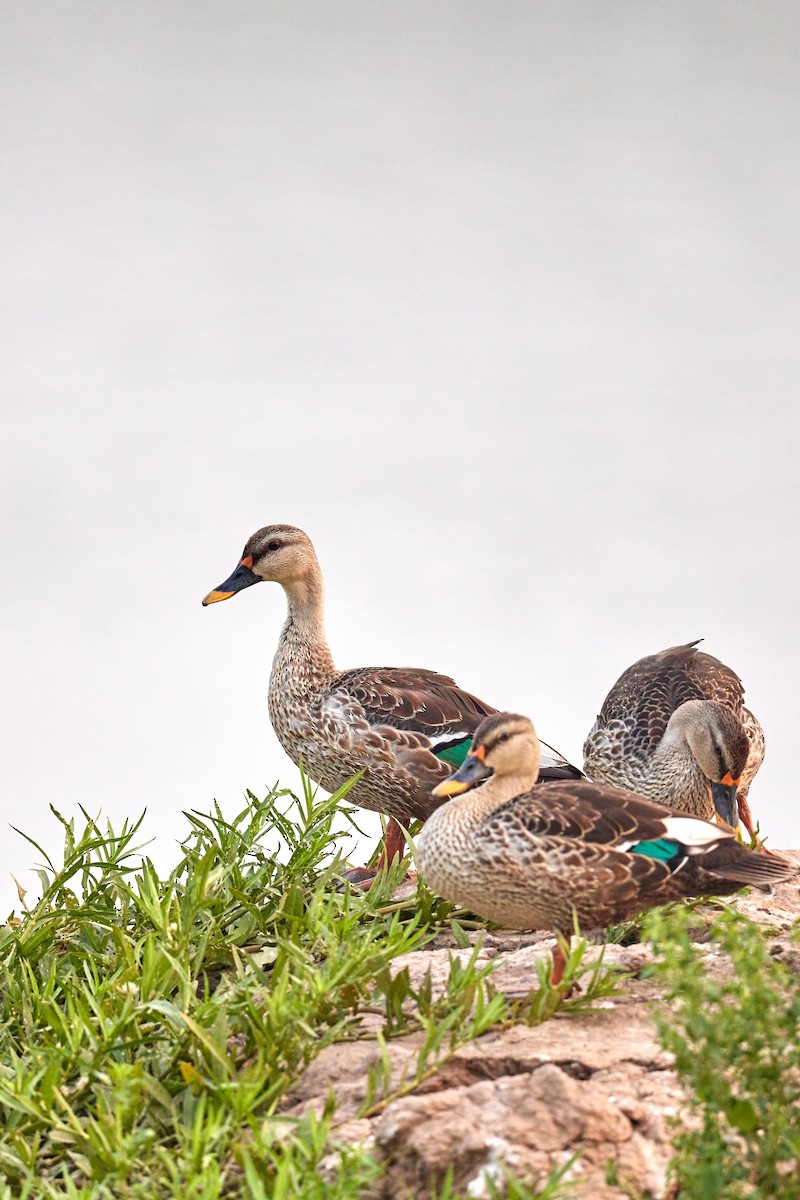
(504, 737)
(273, 545)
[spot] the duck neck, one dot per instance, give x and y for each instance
(482, 801)
(674, 758)
(303, 661)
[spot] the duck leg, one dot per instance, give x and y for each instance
(559, 962)
(745, 816)
(394, 844)
(557, 973)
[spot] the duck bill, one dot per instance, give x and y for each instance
(241, 578)
(724, 796)
(472, 771)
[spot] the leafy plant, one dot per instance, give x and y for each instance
(465, 1010)
(150, 1027)
(737, 1050)
(582, 984)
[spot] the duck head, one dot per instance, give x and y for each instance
(277, 553)
(720, 748)
(504, 747)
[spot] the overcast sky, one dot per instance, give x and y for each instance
(499, 302)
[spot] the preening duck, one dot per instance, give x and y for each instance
(674, 728)
(531, 857)
(406, 727)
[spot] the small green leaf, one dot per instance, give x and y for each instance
(192, 1076)
(742, 1116)
(460, 937)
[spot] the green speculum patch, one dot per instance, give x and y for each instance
(662, 848)
(455, 753)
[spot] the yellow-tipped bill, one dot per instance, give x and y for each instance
(450, 787)
(472, 771)
(213, 597)
(241, 578)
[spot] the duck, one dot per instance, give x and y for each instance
(531, 857)
(674, 727)
(405, 728)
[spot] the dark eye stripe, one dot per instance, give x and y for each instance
(723, 770)
(497, 741)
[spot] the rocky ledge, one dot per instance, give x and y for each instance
(594, 1087)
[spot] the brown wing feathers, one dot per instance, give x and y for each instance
(423, 701)
(586, 811)
(416, 698)
(648, 692)
(660, 683)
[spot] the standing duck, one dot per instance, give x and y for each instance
(674, 728)
(405, 727)
(533, 858)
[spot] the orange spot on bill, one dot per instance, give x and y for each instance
(729, 781)
(247, 561)
(479, 752)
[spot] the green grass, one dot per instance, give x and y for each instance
(150, 1027)
(558, 1186)
(736, 1042)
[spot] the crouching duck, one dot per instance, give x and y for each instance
(533, 858)
(674, 728)
(405, 727)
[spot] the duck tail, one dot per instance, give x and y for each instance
(728, 859)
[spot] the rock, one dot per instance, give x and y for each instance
(593, 1087)
(579, 1044)
(526, 1121)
